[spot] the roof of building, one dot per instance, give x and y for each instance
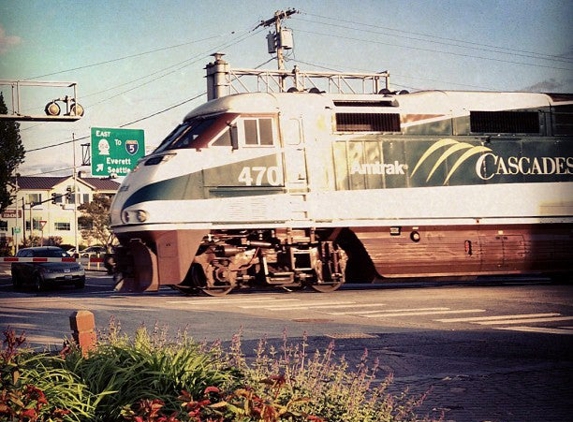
(46, 183)
(101, 184)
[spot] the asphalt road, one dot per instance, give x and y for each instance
(499, 350)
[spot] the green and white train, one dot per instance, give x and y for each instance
(315, 189)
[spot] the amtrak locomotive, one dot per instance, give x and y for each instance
(318, 187)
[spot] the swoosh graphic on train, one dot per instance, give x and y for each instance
(453, 147)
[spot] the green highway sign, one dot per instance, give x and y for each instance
(116, 151)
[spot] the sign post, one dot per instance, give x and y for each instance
(115, 152)
(42, 225)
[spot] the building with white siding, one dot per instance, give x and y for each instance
(45, 208)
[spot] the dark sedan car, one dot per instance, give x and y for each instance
(93, 251)
(41, 273)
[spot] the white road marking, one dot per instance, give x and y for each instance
(47, 341)
(350, 305)
(358, 309)
(301, 305)
(401, 314)
(526, 320)
(496, 318)
(543, 330)
(378, 311)
(208, 301)
(512, 320)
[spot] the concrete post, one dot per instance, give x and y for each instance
(82, 324)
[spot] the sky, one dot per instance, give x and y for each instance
(140, 64)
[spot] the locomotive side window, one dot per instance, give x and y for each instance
(251, 133)
(258, 131)
(266, 130)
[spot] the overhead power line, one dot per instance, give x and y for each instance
(123, 58)
(362, 40)
(442, 40)
(164, 110)
(134, 121)
(179, 65)
(168, 70)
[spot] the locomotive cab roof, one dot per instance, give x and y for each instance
(453, 103)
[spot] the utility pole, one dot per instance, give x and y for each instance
(17, 227)
(75, 195)
(280, 36)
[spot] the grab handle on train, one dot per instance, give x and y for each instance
(468, 247)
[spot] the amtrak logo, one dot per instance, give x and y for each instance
(489, 165)
(451, 147)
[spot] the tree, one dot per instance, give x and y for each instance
(96, 218)
(11, 154)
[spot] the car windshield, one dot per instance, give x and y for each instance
(51, 253)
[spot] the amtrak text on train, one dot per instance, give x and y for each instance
(379, 168)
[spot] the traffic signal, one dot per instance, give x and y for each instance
(54, 198)
(69, 193)
(52, 109)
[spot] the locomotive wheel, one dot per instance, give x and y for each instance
(217, 291)
(326, 287)
(186, 290)
(200, 281)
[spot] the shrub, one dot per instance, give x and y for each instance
(35, 386)
(307, 385)
(122, 371)
(148, 379)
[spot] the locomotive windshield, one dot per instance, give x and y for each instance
(221, 130)
(199, 132)
(185, 135)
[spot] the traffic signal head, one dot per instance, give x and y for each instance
(52, 109)
(54, 198)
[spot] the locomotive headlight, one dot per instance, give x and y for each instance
(141, 216)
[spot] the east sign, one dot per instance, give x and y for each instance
(115, 152)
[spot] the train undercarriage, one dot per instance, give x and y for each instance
(220, 261)
(291, 259)
(230, 259)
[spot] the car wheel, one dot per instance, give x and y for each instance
(16, 282)
(80, 284)
(39, 284)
